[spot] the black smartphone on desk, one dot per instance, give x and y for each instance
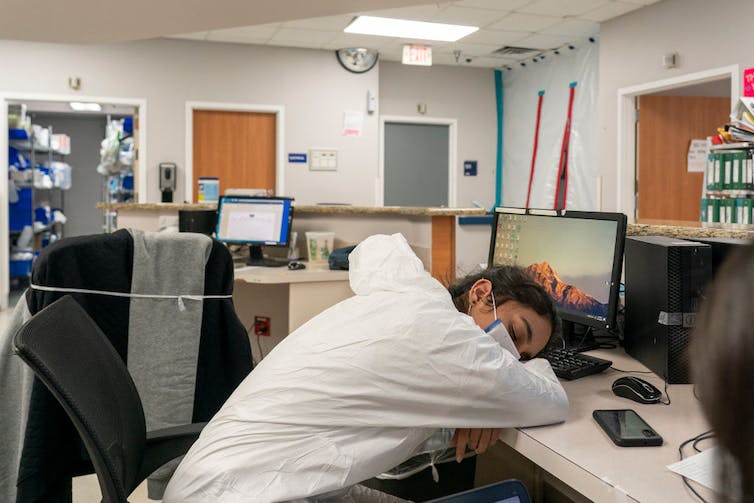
(626, 428)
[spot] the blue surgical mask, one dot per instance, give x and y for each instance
(498, 332)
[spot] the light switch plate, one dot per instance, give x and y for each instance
(323, 159)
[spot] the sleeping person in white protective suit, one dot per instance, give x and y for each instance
(360, 387)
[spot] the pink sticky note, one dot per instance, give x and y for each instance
(749, 82)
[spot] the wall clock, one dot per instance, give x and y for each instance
(357, 59)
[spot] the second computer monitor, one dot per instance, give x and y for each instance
(576, 256)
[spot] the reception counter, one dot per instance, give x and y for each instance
(431, 232)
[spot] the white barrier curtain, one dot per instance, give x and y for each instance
(521, 88)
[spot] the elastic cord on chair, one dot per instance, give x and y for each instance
(179, 298)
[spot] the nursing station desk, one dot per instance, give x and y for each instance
(274, 301)
(580, 455)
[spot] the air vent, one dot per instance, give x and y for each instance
(510, 50)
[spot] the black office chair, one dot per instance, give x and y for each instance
(73, 358)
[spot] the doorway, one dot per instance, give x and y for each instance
(627, 137)
(240, 144)
(37, 185)
(666, 191)
(417, 159)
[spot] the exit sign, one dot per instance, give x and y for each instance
(417, 55)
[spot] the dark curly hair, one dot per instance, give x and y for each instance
(510, 283)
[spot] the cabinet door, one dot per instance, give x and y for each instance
(236, 147)
(667, 124)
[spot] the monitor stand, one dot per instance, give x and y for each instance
(257, 259)
(578, 337)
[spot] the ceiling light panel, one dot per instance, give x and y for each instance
(85, 107)
(419, 30)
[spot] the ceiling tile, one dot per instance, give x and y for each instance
(247, 34)
(609, 11)
(417, 13)
(493, 4)
(468, 16)
(342, 40)
(562, 8)
(576, 28)
(544, 42)
(524, 22)
(330, 23)
(495, 37)
(472, 49)
(310, 38)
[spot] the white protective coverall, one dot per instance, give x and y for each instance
(354, 391)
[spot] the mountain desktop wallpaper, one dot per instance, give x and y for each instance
(565, 295)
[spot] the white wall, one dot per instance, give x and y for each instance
(705, 34)
(310, 84)
(314, 89)
(467, 95)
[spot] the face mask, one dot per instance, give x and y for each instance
(498, 332)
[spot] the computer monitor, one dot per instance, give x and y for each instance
(576, 256)
(255, 221)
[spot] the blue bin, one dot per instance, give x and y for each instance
(17, 134)
(19, 213)
(20, 268)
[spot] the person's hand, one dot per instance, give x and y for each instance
(478, 439)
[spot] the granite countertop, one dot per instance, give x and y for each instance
(682, 232)
(156, 206)
(333, 209)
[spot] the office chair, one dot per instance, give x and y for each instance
(73, 358)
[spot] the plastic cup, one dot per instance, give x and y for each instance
(319, 245)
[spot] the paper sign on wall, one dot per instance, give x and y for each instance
(697, 157)
(353, 123)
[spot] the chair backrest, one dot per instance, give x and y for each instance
(73, 358)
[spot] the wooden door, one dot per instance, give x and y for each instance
(236, 147)
(667, 124)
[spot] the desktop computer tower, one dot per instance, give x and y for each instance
(664, 279)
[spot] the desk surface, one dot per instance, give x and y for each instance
(270, 275)
(580, 454)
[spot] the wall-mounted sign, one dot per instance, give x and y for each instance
(469, 168)
(296, 157)
(417, 55)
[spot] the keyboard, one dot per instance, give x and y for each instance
(570, 365)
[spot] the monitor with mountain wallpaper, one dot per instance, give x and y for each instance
(576, 256)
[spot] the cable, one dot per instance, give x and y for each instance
(695, 440)
(633, 371)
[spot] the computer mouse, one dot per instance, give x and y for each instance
(636, 389)
(296, 266)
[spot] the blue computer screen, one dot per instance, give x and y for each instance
(255, 220)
